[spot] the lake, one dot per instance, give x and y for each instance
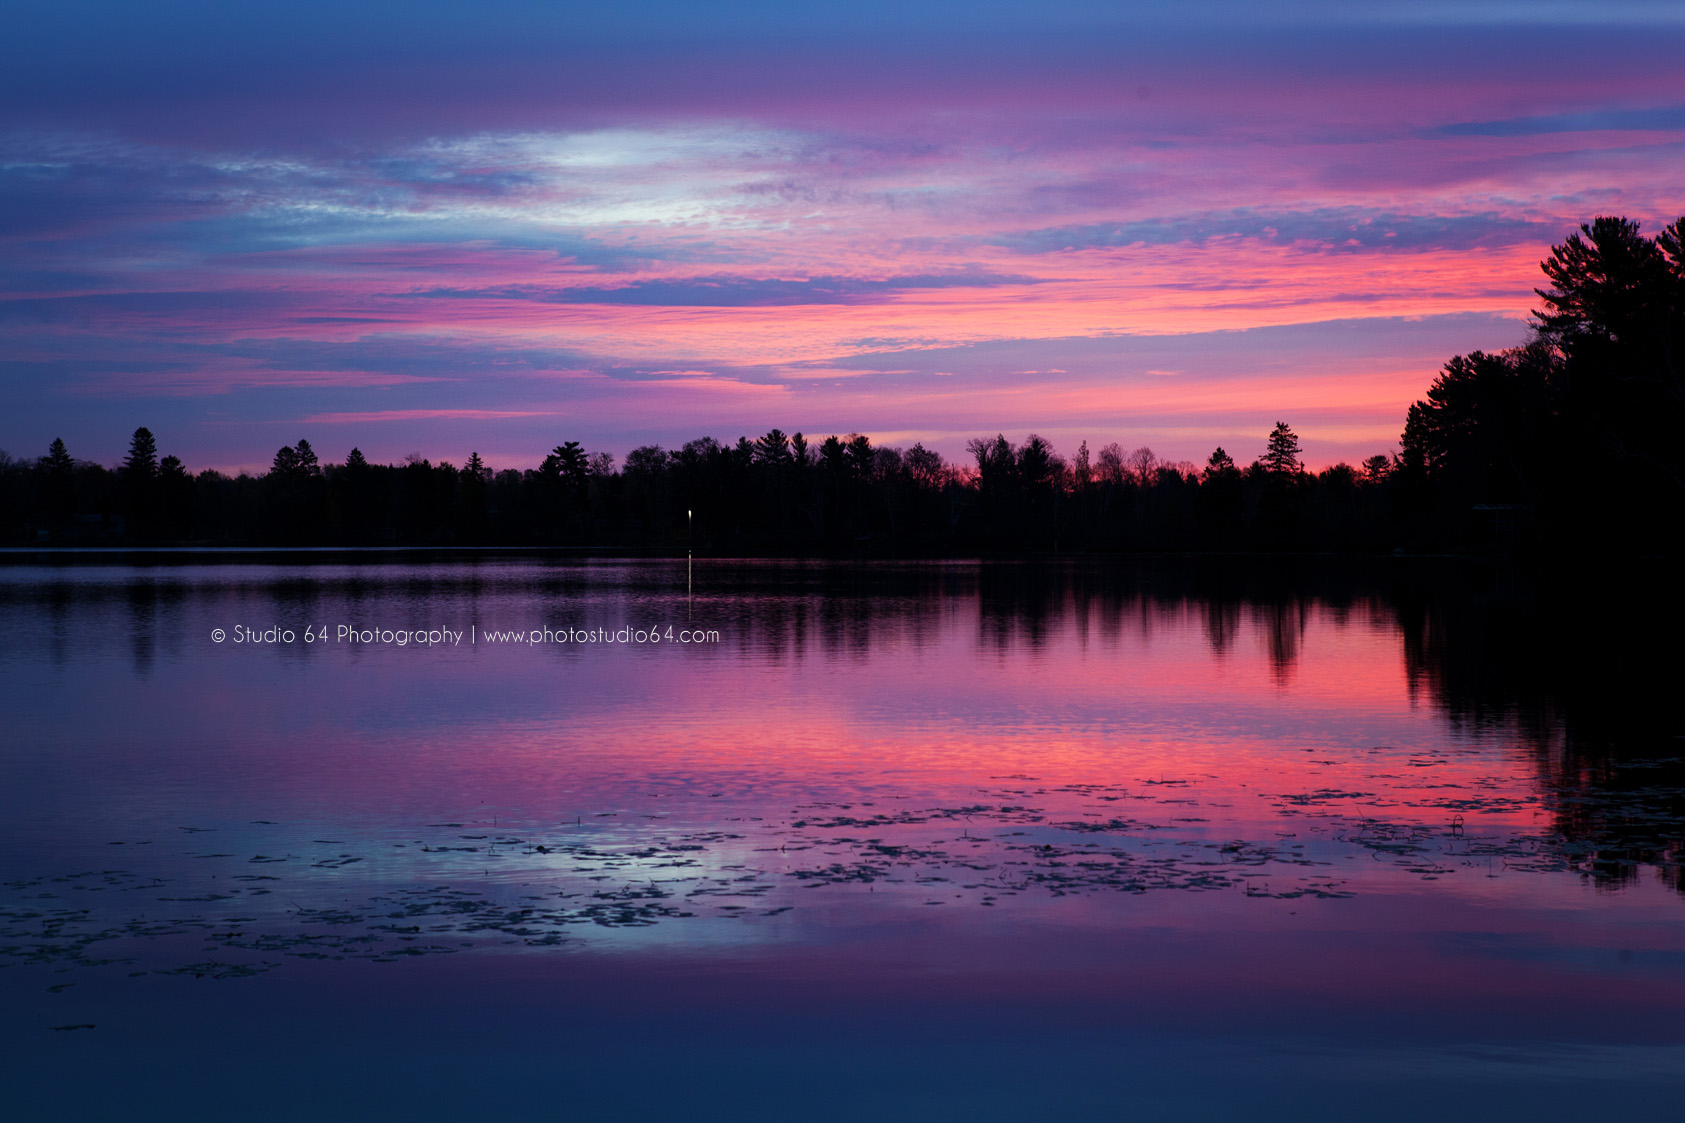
(367, 835)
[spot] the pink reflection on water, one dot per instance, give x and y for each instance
(839, 769)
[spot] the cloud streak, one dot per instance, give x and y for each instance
(736, 292)
(379, 415)
(1348, 229)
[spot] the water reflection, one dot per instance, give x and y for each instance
(1098, 810)
(1588, 682)
(143, 630)
(1419, 718)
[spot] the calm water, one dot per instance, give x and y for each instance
(894, 841)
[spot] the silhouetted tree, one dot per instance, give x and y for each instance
(58, 460)
(175, 498)
(1082, 468)
(295, 464)
(1281, 455)
(1616, 313)
(925, 467)
(140, 478)
(1142, 463)
(773, 450)
(58, 491)
(473, 481)
(1478, 434)
(141, 464)
(567, 462)
(1610, 288)
(293, 489)
(1220, 466)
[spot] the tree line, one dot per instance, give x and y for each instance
(776, 494)
(1580, 431)
(1573, 437)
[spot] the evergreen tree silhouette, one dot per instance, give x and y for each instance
(1220, 465)
(58, 460)
(1281, 455)
(142, 462)
(58, 491)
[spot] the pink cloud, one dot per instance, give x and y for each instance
(425, 415)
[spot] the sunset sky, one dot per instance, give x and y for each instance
(431, 227)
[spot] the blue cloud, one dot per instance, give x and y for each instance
(1668, 118)
(736, 292)
(1331, 228)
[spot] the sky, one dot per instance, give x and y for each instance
(439, 228)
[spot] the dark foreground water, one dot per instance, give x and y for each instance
(882, 842)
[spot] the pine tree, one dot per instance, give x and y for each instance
(142, 462)
(59, 488)
(58, 461)
(567, 461)
(307, 464)
(773, 449)
(1281, 457)
(1609, 284)
(1220, 466)
(295, 463)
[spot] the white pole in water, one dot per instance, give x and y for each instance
(689, 514)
